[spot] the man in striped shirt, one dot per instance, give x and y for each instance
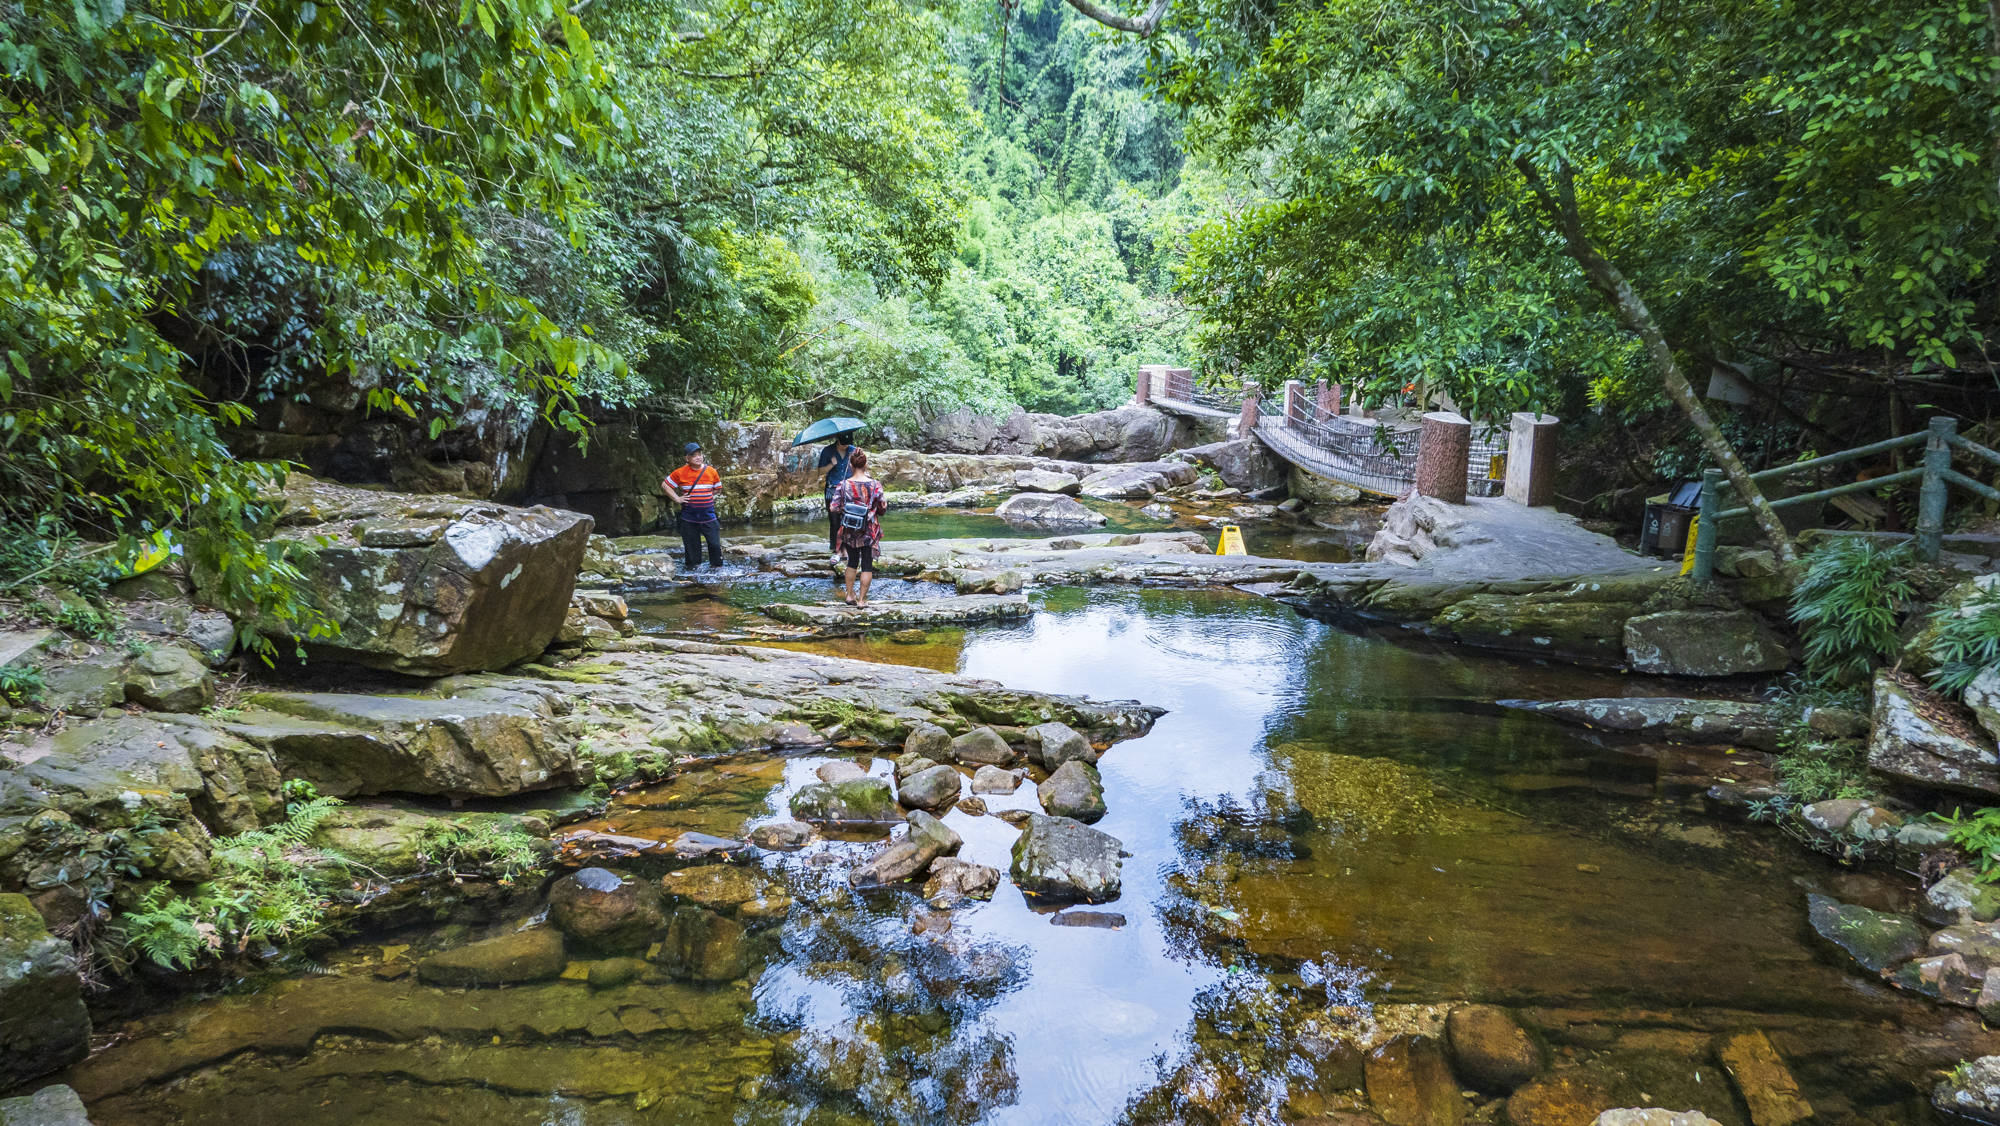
(693, 486)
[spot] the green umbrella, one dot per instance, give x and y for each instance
(827, 428)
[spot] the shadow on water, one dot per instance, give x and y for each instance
(1328, 835)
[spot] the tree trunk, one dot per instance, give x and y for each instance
(1607, 279)
(1143, 25)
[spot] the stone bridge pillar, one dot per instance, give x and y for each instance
(1295, 402)
(1531, 459)
(1142, 392)
(1444, 450)
(1246, 423)
(1327, 399)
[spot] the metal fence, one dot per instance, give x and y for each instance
(1178, 385)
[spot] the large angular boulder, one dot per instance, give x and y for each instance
(1062, 859)
(43, 1025)
(1907, 742)
(1051, 509)
(1137, 481)
(926, 840)
(50, 1106)
(1703, 643)
(1052, 744)
(1046, 481)
(431, 586)
(1242, 463)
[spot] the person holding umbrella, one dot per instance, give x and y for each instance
(693, 486)
(837, 458)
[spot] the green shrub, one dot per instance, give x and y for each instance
(44, 552)
(1979, 835)
(1847, 605)
(1965, 641)
(267, 885)
(489, 847)
(20, 684)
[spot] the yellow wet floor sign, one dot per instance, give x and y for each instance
(1232, 541)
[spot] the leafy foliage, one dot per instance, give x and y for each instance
(487, 847)
(1965, 642)
(1979, 835)
(21, 684)
(1847, 605)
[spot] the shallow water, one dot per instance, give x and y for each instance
(1325, 830)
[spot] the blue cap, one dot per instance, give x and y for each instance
(691, 447)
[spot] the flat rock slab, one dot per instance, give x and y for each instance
(1673, 717)
(835, 618)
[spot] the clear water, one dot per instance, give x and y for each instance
(1325, 830)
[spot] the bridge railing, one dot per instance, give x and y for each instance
(1159, 382)
(1940, 440)
(1379, 455)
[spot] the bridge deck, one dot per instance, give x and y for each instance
(1192, 410)
(1288, 445)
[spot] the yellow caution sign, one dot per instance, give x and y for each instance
(1232, 541)
(1687, 553)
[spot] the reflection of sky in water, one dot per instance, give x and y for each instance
(1100, 1005)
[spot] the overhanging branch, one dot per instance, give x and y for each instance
(1143, 26)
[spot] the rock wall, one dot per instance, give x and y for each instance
(1129, 433)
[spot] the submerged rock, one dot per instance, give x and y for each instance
(1673, 717)
(1490, 1048)
(429, 585)
(43, 1025)
(932, 789)
(1653, 1116)
(1558, 1100)
(533, 954)
(604, 910)
(1875, 939)
(782, 836)
(1410, 1084)
(856, 801)
(1074, 790)
(1050, 509)
(702, 945)
(1762, 1079)
(1060, 858)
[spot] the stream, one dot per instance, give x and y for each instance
(1328, 832)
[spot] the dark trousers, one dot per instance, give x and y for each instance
(693, 533)
(832, 526)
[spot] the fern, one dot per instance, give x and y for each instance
(505, 853)
(1847, 603)
(1965, 642)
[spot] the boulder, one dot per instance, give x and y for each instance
(1983, 697)
(1654, 1116)
(855, 801)
(995, 780)
(1558, 1100)
(1056, 743)
(1907, 743)
(953, 881)
(932, 789)
(702, 945)
(167, 678)
(1875, 939)
(1044, 481)
(1762, 1079)
(429, 586)
(1242, 463)
(43, 1025)
(1137, 482)
(1062, 859)
(1490, 1048)
(782, 836)
(533, 954)
(981, 746)
(929, 740)
(1961, 896)
(1048, 509)
(1409, 1083)
(726, 889)
(1703, 643)
(50, 1106)
(924, 841)
(988, 582)
(1971, 1090)
(605, 911)
(839, 770)
(1075, 791)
